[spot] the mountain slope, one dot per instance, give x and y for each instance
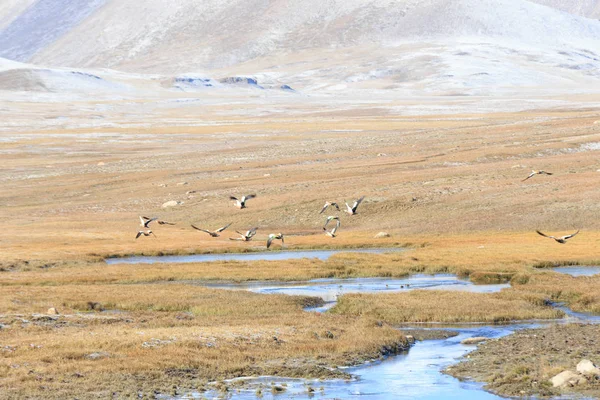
(439, 47)
(147, 35)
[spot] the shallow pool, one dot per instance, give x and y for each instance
(578, 271)
(252, 256)
(330, 289)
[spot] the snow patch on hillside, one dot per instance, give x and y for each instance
(41, 24)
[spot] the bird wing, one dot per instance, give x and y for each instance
(349, 208)
(571, 235)
(250, 196)
(336, 206)
(269, 240)
(223, 228)
(138, 234)
(202, 230)
(148, 220)
(530, 175)
(251, 232)
(335, 228)
(282, 240)
(356, 203)
(232, 198)
(544, 235)
(544, 172)
(324, 208)
(142, 222)
(165, 223)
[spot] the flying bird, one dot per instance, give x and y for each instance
(146, 221)
(273, 236)
(352, 210)
(245, 237)
(329, 219)
(561, 239)
(333, 231)
(211, 233)
(534, 172)
(241, 203)
(145, 233)
(329, 203)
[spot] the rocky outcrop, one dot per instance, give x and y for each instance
(588, 368)
(381, 235)
(567, 379)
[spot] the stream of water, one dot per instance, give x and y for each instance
(414, 374)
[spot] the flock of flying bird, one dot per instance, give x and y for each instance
(350, 210)
(246, 237)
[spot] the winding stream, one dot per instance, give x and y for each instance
(416, 373)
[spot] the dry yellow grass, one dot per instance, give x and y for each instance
(579, 293)
(444, 306)
(160, 336)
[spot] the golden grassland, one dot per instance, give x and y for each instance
(448, 188)
(157, 337)
(445, 306)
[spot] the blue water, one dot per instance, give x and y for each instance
(330, 289)
(414, 374)
(578, 271)
(254, 256)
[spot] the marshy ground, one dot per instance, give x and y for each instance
(446, 187)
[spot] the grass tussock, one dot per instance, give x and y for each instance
(445, 306)
(579, 293)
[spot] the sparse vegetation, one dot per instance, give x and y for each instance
(521, 365)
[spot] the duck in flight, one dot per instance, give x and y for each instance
(352, 210)
(145, 233)
(245, 237)
(274, 236)
(560, 239)
(212, 233)
(534, 173)
(241, 203)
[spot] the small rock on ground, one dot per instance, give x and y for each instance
(587, 367)
(474, 340)
(382, 235)
(97, 355)
(52, 311)
(567, 378)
